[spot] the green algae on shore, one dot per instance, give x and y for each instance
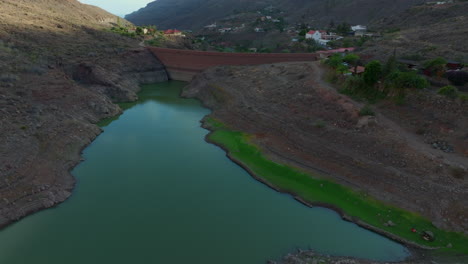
(313, 190)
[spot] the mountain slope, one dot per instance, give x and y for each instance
(194, 14)
(425, 32)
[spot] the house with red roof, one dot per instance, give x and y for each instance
(315, 34)
(173, 32)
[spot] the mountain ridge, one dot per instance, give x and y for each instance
(194, 14)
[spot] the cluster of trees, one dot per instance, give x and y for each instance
(139, 31)
(377, 81)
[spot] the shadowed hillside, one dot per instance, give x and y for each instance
(61, 69)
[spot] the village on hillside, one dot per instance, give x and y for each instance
(262, 31)
(266, 31)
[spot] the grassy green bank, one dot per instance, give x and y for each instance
(355, 206)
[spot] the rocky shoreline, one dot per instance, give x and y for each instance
(239, 97)
(48, 120)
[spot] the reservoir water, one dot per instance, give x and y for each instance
(151, 190)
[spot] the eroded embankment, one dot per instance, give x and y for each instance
(47, 119)
(292, 119)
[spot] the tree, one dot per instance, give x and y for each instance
(303, 32)
(351, 58)
(343, 28)
(372, 73)
(334, 61)
(139, 31)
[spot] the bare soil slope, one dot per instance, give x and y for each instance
(298, 119)
(424, 32)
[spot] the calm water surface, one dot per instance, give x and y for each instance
(153, 191)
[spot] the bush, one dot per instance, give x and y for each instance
(435, 66)
(320, 123)
(448, 91)
(400, 81)
(366, 111)
(457, 172)
(354, 83)
(463, 97)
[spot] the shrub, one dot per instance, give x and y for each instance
(399, 81)
(457, 172)
(354, 83)
(448, 91)
(320, 124)
(366, 111)
(463, 97)
(435, 66)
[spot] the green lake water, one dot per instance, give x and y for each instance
(151, 190)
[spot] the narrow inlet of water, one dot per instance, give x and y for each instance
(151, 190)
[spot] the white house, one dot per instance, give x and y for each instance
(359, 30)
(317, 35)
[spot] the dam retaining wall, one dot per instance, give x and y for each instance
(182, 65)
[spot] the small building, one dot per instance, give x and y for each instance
(259, 30)
(173, 32)
(358, 70)
(359, 30)
(454, 65)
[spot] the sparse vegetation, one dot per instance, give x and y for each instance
(448, 91)
(458, 173)
(366, 111)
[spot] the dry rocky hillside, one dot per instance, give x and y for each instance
(194, 14)
(60, 72)
(424, 32)
(300, 120)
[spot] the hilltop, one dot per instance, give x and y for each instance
(194, 14)
(61, 69)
